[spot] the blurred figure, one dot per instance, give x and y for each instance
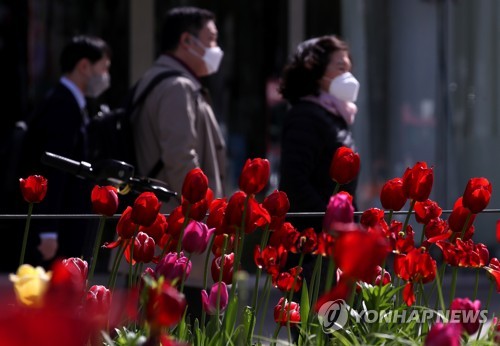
(59, 125)
(321, 91)
(176, 129)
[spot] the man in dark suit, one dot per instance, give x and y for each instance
(59, 125)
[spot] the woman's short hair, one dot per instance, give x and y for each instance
(301, 76)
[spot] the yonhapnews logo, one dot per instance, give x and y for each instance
(333, 315)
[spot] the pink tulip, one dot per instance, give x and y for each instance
(196, 237)
(209, 301)
(461, 309)
(339, 213)
(172, 267)
(444, 334)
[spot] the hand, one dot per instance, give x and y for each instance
(48, 248)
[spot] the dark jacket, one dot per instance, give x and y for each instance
(309, 139)
(58, 125)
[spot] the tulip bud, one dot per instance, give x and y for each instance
(196, 237)
(145, 209)
(209, 301)
(195, 186)
(172, 267)
(144, 248)
(254, 176)
(227, 269)
(345, 165)
(33, 188)
(104, 200)
(392, 195)
(98, 301)
(339, 212)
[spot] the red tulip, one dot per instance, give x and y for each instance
(345, 165)
(215, 217)
(219, 244)
(104, 200)
(277, 204)
(461, 311)
(417, 182)
(126, 226)
(77, 267)
(358, 253)
(175, 222)
(437, 229)
(374, 218)
(144, 248)
(209, 301)
(254, 176)
(385, 278)
(256, 215)
(286, 281)
(449, 334)
(286, 311)
(286, 236)
(426, 211)
(392, 195)
(307, 242)
(477, 194)
(165, 305)
(416, 266)
(459, 216)
(33, 188)
(494, 270)
(196, 211)
(227, 269)
(145, 209)
(98, 302)
(157, 229)
(270, 257)
(195, 186)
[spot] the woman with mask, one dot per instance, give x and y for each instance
(321, 91)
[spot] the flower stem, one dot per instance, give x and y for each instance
(132, 246)
(476, 285)
(492, 285)
(255, 293)
(408, 215)
(221, 273)
(26, 231)
(440, 291)
(389, 219)
(466, 226)
(336, 189)
(95, 252)
(184, 274)
(267, 293)
(116, 264)
(329, 274)
(454, 274)
(184, 224)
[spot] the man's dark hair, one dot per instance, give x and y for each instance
(80, 47)
(182, 19)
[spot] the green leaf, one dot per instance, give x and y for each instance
(248, 323)
(230, 316)
(304, 305)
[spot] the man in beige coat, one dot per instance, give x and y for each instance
(176, 126)
(175, 130)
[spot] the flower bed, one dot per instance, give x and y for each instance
(380, 284)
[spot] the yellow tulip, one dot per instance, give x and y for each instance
(30, 284)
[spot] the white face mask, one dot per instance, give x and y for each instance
(212, 56)
(98, 84)
(345, 87)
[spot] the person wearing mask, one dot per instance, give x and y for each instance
(321, 93)
(59, 125)
(176, 130)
